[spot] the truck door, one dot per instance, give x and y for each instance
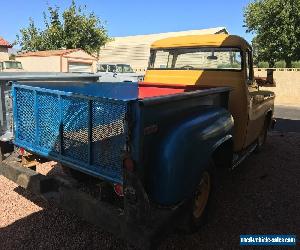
(112, 75)
(108, 73)
(256, 107)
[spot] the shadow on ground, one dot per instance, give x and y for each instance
(53, 228)
(260, 197)
(286, 125)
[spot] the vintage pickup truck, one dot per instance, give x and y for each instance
(218, 61)
(117, 72)
(153, 147)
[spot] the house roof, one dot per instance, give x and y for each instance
(218, 40)
(4, 43)
(45, 53)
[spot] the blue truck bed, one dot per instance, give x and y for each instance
(92, 128)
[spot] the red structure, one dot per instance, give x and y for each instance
(4, 43)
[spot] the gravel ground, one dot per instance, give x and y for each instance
(261, 197)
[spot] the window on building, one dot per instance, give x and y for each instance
(13, 65)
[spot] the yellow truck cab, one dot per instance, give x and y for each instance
(217, 61)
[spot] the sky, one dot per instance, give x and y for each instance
(134, 17)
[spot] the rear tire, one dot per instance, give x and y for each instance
(199, 208)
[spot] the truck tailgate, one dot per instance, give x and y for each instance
(86, 133)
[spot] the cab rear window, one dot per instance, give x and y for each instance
(196, 58)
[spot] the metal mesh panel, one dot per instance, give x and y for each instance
(108, 135)
(25, 115)
(87, 132)
(75, 128)
(48, 121)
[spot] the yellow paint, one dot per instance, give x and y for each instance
(237, 100)
(248, 115)
(219, 40)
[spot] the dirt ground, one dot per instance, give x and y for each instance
(262, 196)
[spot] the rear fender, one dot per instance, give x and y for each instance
(185, 152)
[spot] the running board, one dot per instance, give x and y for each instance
(239, 158)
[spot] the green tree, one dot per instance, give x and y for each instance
(276, 25)
(280, 64)
(31, 38)
(296, 64)
(263, 65)
(71, 29)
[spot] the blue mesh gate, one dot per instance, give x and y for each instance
(87, 133)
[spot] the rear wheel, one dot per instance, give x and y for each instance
(200, 203)
(201, 196)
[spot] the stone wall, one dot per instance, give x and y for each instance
(287, 88)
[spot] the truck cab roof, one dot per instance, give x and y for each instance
(217, 40)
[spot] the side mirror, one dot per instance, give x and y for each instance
(268, 81)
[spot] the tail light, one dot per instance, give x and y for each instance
(118, 188)
(21, 151)
(128, 165)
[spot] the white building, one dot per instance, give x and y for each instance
(135, 50)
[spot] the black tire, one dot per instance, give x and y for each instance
(77, 175)
(199, 208)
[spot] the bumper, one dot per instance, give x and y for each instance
(141, 231)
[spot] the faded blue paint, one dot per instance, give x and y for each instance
(119, 91)
(185, 151)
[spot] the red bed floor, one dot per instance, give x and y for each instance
(147, 90)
